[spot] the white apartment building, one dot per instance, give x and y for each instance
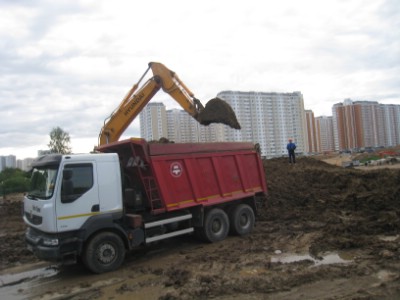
(25, 164)
(181, 127)
(269, 119)
(9, 161)
(153, 121)
(212, 133)
(391, 120)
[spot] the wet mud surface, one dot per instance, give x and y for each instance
(324, 233)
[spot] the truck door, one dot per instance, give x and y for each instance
(77, 199)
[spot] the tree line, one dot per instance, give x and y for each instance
(14, 181)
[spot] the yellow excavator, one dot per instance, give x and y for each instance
(215, 111)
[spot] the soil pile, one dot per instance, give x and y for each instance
(13, 249)
(218, 111)
(347, 205)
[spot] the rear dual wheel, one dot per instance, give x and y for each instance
(242, 219)
(216, 226)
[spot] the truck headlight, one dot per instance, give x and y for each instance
(50, 242)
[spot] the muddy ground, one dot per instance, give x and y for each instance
(324, 233)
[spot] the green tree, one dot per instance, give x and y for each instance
(59, 141)
(13, 181)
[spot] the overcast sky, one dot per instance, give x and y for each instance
(69, 63)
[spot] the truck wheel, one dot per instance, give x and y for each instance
(104, 252)
(216, 225)
(242, 219)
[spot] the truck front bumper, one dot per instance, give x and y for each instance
(51, 247)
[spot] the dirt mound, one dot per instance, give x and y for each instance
(218, 111)
(12, 240)
(348, 205)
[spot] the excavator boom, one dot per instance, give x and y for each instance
(216, 110)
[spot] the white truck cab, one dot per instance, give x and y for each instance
(70, 196)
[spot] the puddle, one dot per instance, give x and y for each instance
(11, 285)
(327, 259)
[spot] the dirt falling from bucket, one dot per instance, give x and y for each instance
(218, 111)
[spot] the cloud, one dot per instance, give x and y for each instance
(69, 64)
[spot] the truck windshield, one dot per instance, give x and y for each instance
(42, 183)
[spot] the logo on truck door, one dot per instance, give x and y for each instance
(176, 169)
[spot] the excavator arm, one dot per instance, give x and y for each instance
(172, 85)
(218, 111)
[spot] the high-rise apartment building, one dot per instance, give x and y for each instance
(181, 127)
(360, 124)
(25, 164)
(268, 119)
(324, 132)
(176, 125)
(9, 161)
(153, 121)
(391, 120)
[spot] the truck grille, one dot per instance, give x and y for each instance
(34, 219)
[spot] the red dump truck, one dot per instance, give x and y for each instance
(98, 206)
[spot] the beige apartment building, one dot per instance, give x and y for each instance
(361, 124)
(312, 137)
(324, 133)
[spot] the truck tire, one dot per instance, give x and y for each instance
(104, 252)
(242, 219)
(216, 225)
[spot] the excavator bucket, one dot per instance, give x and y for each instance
(218, 111)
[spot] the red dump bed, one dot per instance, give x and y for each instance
(198, 173)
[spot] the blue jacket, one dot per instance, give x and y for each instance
(291, 146)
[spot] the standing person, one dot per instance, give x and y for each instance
(291, 147)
